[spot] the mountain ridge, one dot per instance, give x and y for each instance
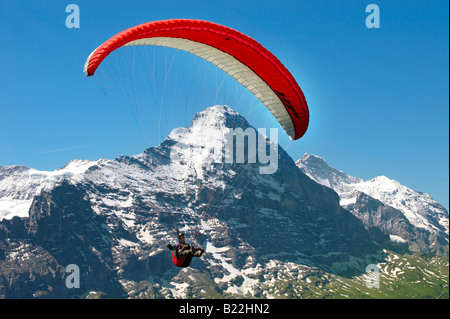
(417, 209)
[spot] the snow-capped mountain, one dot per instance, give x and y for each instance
(417, 208)
(114, 219)
(19, 185)
(266, 235)
(318, 170)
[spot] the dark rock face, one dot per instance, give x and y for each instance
(62, 229)
(307, 220)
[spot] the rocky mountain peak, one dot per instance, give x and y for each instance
(425, 217)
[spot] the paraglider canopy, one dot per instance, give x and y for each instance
(240, 56)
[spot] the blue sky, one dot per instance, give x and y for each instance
(378, 98)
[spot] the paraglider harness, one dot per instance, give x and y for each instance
(181, 259)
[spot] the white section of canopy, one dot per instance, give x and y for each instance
(88, 60)
(226, 62)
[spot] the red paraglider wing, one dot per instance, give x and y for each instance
(242, 57)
